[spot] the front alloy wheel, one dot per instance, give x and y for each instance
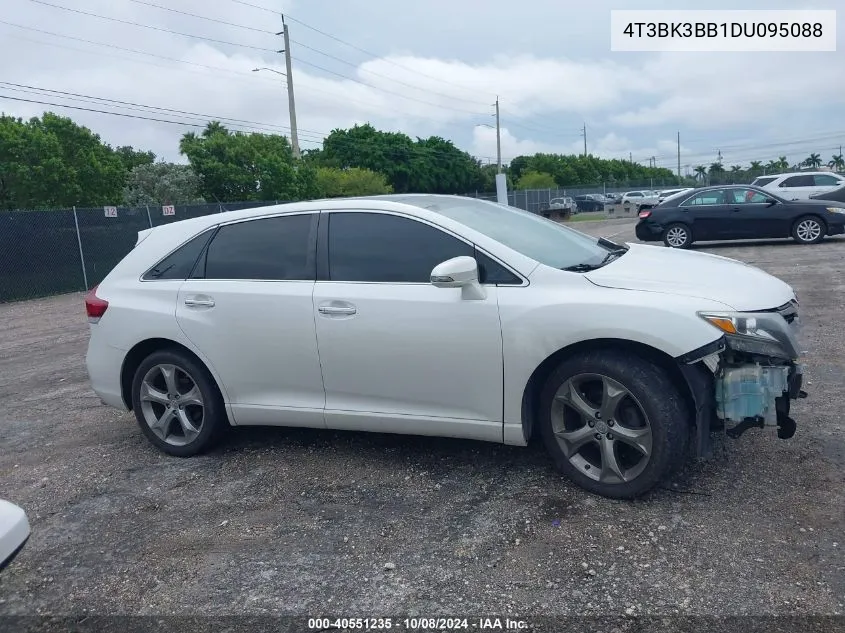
(601, 428)
(808, 231)
(613, 422)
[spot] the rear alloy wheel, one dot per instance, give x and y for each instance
(177, 404)
(677, 236)
(613, 423)
(808, 230)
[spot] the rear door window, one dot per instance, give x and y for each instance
(798, 181)
(280, 248)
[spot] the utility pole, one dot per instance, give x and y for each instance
(630, 158)
(679, 157)
(294, 137)
(498, 139)
(584, 134)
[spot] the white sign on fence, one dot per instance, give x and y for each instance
(111, 212)
(168, 210)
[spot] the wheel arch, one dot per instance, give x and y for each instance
(531, 392)
(135, 356)
(810, 215)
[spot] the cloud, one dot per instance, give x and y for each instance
(550, 68)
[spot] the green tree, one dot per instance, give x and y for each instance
(233, 166)
(772, 166)
(837, 162)
(716, 172)
(333, 182)
(162, 183)
(736, 173)
(755, 169)
(536, 180)
(131, 158)
(53, 162)
(700, 172)
(783, 164)
(813, 160)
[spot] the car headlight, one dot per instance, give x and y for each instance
(744, 333)
(836, 209)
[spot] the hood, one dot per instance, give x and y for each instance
(693, 274)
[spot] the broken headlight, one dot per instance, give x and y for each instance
(754, 333)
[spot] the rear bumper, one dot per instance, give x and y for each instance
(648, 232)
(104, 364)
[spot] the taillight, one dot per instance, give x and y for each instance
(94, 306)
(644, 214)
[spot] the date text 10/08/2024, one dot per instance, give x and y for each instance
(418, 624)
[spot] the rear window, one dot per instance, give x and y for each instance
(763, 181)
(798, 181)
(824, 180)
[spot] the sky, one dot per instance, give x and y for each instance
(424, 68)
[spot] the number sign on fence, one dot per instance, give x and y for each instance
(111, 212)
(168, 210)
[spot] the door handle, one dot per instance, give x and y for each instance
(337, 310)
(736, 209)
(199, 303)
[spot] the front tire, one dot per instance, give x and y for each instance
(677, 236)
(177, 404)
(613, 423)
(808, 230)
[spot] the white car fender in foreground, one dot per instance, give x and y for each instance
(14, 531)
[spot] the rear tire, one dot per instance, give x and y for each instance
(177, 404)
(808, 230)
(677, 236)
(614, 423)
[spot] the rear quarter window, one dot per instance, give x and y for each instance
(762, 182)
(180, 263)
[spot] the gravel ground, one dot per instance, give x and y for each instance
(307, 522)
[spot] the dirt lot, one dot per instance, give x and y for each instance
(314, 522)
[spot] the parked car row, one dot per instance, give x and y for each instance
(733, 212)
(800, 185)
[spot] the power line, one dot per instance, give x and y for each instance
(129, 50)
(202, 17)
(149, 107)
(151, 27)
(255, 6)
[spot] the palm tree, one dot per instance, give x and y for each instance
(813, 160)
(772, 166)
(838, 163)
(783, 164)
(716, 169)
(756, 168)
(700, 172)
(735, 171)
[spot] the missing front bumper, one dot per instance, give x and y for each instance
(742, 397)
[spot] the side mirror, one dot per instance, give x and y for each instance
(770, 202)
(14, 531)
(459, 272)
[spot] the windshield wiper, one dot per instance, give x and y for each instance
(583, 268)
(603, 241)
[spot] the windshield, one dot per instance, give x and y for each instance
(536, 237)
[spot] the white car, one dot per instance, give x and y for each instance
(639, 198)
(14, 531)
(671, 193)
(800, 185)
(447, 316)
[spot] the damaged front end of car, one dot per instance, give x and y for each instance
(748, 377)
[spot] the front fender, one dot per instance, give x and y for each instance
(537, 323)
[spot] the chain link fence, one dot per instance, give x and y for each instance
(54, 251)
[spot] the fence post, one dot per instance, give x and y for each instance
(149, 217)
(79, 242)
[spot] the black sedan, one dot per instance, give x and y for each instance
(738, 212)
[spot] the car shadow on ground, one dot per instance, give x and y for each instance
(446, 457)
(762, 242)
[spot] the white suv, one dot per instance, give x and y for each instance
(800, 185)
(447, 316)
